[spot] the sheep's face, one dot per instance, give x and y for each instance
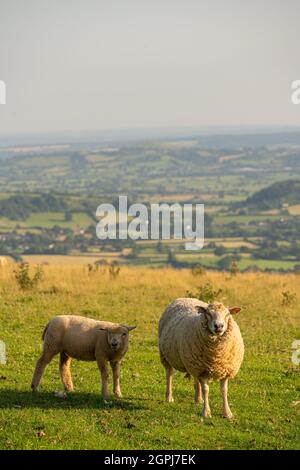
(217, 316)
(117, 338)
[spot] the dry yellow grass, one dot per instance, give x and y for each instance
(76, 260)
(254, 291)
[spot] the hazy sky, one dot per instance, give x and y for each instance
(88, 64)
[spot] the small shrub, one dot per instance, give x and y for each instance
(23, 278)
(101, 262)
(53, 290)
(206, 292)
(288, 298)
(93, 268)
(114, 270)
(234, 270)
(198, 270)
(98, 266)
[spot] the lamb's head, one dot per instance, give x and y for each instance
(217, 316)
(117, 336)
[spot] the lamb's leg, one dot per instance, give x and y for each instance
(205, 391)
(116, 378)
(169, 378)
(224, 391)
(65, 372)
(198, 394)
(43, 361)
(104, 379)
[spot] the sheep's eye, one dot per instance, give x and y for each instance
(124, 334)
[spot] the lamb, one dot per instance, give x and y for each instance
(85, 339)
(204, 341)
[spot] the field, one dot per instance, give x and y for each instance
(247, 183)
(265, 396)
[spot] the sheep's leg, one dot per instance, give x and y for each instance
(104, 379)
(198, 394)
(116, 379)
(224, 392)
(43, 361)
(169, 380)
(65, 372)
(205, 391)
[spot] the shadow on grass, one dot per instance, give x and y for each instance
(14, 399)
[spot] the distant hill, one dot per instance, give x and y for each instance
(274, 196)
(169, 168)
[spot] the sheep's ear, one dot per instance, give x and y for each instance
(129, 328)
(234, 310)
(201, 309)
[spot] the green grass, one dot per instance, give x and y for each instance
(49, 219)
(242, 219)
(266, 263)
(264, 397)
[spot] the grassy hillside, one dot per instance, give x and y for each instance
(265, 396)
(276, 196)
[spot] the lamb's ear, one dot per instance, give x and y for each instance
(201, 309)
(234, 310)
(129, 328)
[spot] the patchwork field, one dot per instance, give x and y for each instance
(265, 396)
(247, 183)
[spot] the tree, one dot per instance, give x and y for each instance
(220, 251)
(68, 216)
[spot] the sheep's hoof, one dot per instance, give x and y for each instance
(206, 414)
(227, 415)
(170, 400)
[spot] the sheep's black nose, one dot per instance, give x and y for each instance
(218, 326)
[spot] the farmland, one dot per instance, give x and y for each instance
(248, 185)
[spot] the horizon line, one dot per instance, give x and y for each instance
(135, 133)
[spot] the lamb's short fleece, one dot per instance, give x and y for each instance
(85, 339)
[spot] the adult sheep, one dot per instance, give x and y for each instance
(204, 341)
(85, 339)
